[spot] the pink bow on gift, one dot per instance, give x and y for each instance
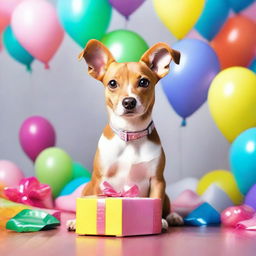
(31, 192)
(109, 191)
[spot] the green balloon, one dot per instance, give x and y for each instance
(80, 171)
(125, 45)
(53, 166)
(84, 19)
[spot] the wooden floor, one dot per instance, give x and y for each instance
(187, 241)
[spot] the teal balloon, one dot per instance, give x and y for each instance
(243, 160)
(84, 19)
(239, 5)
(15, 49)
(212, 18)
(253, 66)
(125, 45)
(73, 185)
(80, 171)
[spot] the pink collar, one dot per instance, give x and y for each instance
(128, 136)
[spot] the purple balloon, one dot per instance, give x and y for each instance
(126, 7)
(36, 134)
(187, 84)
(250, 198)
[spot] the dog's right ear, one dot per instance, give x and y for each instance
(98, 57)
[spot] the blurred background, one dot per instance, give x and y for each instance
(73, 102)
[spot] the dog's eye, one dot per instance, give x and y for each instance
(144, 82)
(112, 84)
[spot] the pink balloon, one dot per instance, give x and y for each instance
(36, 26)
(10, 174)
(250, 12)
(68, 202)
(234, 214)
(36, 134)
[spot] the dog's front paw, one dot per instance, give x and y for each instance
(174, 219)
(164, 225)
(71, 225)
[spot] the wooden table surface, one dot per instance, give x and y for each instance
(187, 241)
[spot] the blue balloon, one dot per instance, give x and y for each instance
(204, 215)
(187, 84)
(73, 185)
(15, 49)
(243, 160)
(239, 5)
(213, 17)
(253, 66)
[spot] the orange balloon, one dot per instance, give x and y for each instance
(235, 44)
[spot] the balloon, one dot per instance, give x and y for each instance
(126, 8)
(224, 180)
(234, 44)
(252, 66)
(187, 84)
(15, 49)
(125, 45)
(80, 171)
(84, 19)
(243, 159)
(36, 26)
(6, 9)
(73, 185)
(250, 197)
(239, 5)
(231, 99)
(53, 166)
(250, 11)
(175, 189)
(10, 174)
(35, 135)
(68, 202)
(213, 17)
(179, 16)
(234, 214)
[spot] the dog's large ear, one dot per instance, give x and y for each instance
(98, 57)
(158, 58)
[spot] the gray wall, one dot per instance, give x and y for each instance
(74, 103)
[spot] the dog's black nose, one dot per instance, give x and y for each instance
(129, 103)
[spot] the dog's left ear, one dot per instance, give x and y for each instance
(158, 58)
(98, 57)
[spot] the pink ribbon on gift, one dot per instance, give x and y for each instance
(109, 191)
(31, 192)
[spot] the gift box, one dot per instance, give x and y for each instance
(118, 216)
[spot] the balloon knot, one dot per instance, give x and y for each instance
(29, 69)
(183, 123)
(46, 66)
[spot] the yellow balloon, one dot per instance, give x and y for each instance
(224, 180)
(232, 101)
(179, 16)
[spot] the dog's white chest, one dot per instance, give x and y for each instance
(128, 163)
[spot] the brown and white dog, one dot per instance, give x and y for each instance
(129, 150)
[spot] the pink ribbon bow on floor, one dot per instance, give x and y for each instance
(109, 191)
(31, 192)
